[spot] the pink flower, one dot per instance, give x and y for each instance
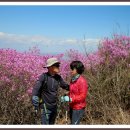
(23, 69)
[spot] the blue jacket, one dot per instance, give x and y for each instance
(48, 92)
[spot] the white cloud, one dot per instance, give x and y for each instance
(1, 33)
(14, 38)
(91, 41)
(71, 41)
(26, 41)
(11, 38)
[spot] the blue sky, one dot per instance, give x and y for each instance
(58, 28)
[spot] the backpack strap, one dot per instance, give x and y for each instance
(44, 84)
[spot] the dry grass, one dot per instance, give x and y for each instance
(108, 100)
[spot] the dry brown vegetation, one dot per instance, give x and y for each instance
(108, 100)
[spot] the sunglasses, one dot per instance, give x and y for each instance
(57, 65)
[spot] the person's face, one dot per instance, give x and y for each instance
(73, 72)
(55, 68)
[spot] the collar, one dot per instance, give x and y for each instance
(74, 78)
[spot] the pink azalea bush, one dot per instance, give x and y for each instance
(113, 49)
(24, 68)
(18, 69)
(19, 72)
(116, 48)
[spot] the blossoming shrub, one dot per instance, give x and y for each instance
(107, 72)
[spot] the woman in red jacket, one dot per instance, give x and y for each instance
(78, 92)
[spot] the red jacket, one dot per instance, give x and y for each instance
(78, 93)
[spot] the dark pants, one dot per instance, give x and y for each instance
(76, 116)
(48, 116)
